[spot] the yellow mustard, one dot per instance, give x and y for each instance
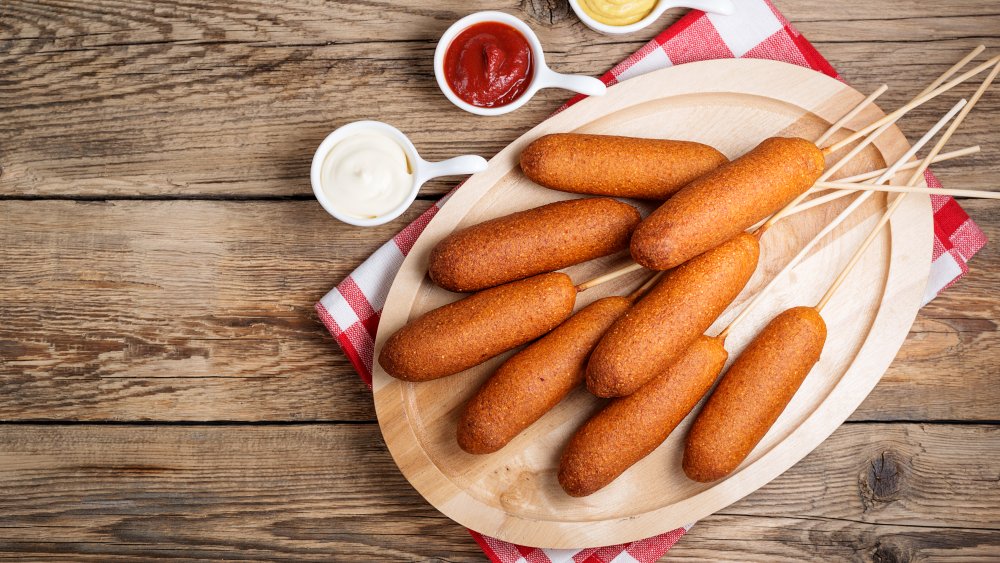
(617, 12)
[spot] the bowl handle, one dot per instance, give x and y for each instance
(586, 85)
(458, 166)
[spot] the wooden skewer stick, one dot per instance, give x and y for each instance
(788, 210)
(608, 277)
(919, 100)
(911, 165)
(824, 199)
(914, 178)
(953, 69)
(851, 114)
(966, 108)
(837, 194)
(827, 174)
(890, 172)
(981, 194)
(860, 251)
(930, 88)
(874, 130)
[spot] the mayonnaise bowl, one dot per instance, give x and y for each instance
(368, 173)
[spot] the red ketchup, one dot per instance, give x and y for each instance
(489, 64)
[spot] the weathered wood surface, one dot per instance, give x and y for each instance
(213, 98)
(173, 310)
(202, 310)
(230, 491)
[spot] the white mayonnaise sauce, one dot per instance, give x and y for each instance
(366, 175)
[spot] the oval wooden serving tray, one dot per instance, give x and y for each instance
(732, 105)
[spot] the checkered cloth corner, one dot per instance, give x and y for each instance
(756, 30)
(642, 551)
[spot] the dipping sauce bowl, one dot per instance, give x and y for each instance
(721, 7)
(368, 173)
(541, 76)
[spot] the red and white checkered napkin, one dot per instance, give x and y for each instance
(756, 31)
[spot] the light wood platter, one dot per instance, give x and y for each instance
(732, 105)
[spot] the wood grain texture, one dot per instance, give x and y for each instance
(230, 491)
(211, 98)
(175, 310)
(218, 100)
(202, 310)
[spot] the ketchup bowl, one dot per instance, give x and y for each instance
(417, 171)
(539, 74)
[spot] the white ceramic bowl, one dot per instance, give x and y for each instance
(422, 170)
(723, 7)
(542, 76)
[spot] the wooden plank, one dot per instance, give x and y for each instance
(202, 310)
(215, 99)
(767, 539)
(176, 310)
(955, 336)
(322, 492)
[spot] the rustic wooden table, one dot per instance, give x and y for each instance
(166, 390)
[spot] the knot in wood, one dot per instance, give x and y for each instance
(880, 481)
(546, 12)
(888, 554)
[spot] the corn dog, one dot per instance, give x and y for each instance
(726, 201)
(530, 242)
(630, 428)
(616, 166)
(654, 332)
(753, 393)
(535, 379)
(469, 331)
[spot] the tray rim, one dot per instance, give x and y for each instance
(841, 401)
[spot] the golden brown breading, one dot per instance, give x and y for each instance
(679, 309)
(727, 201)
(630, 428)
(617, 166)
(535, 379)
(753, 393)
(530, 242)
(470, 331)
